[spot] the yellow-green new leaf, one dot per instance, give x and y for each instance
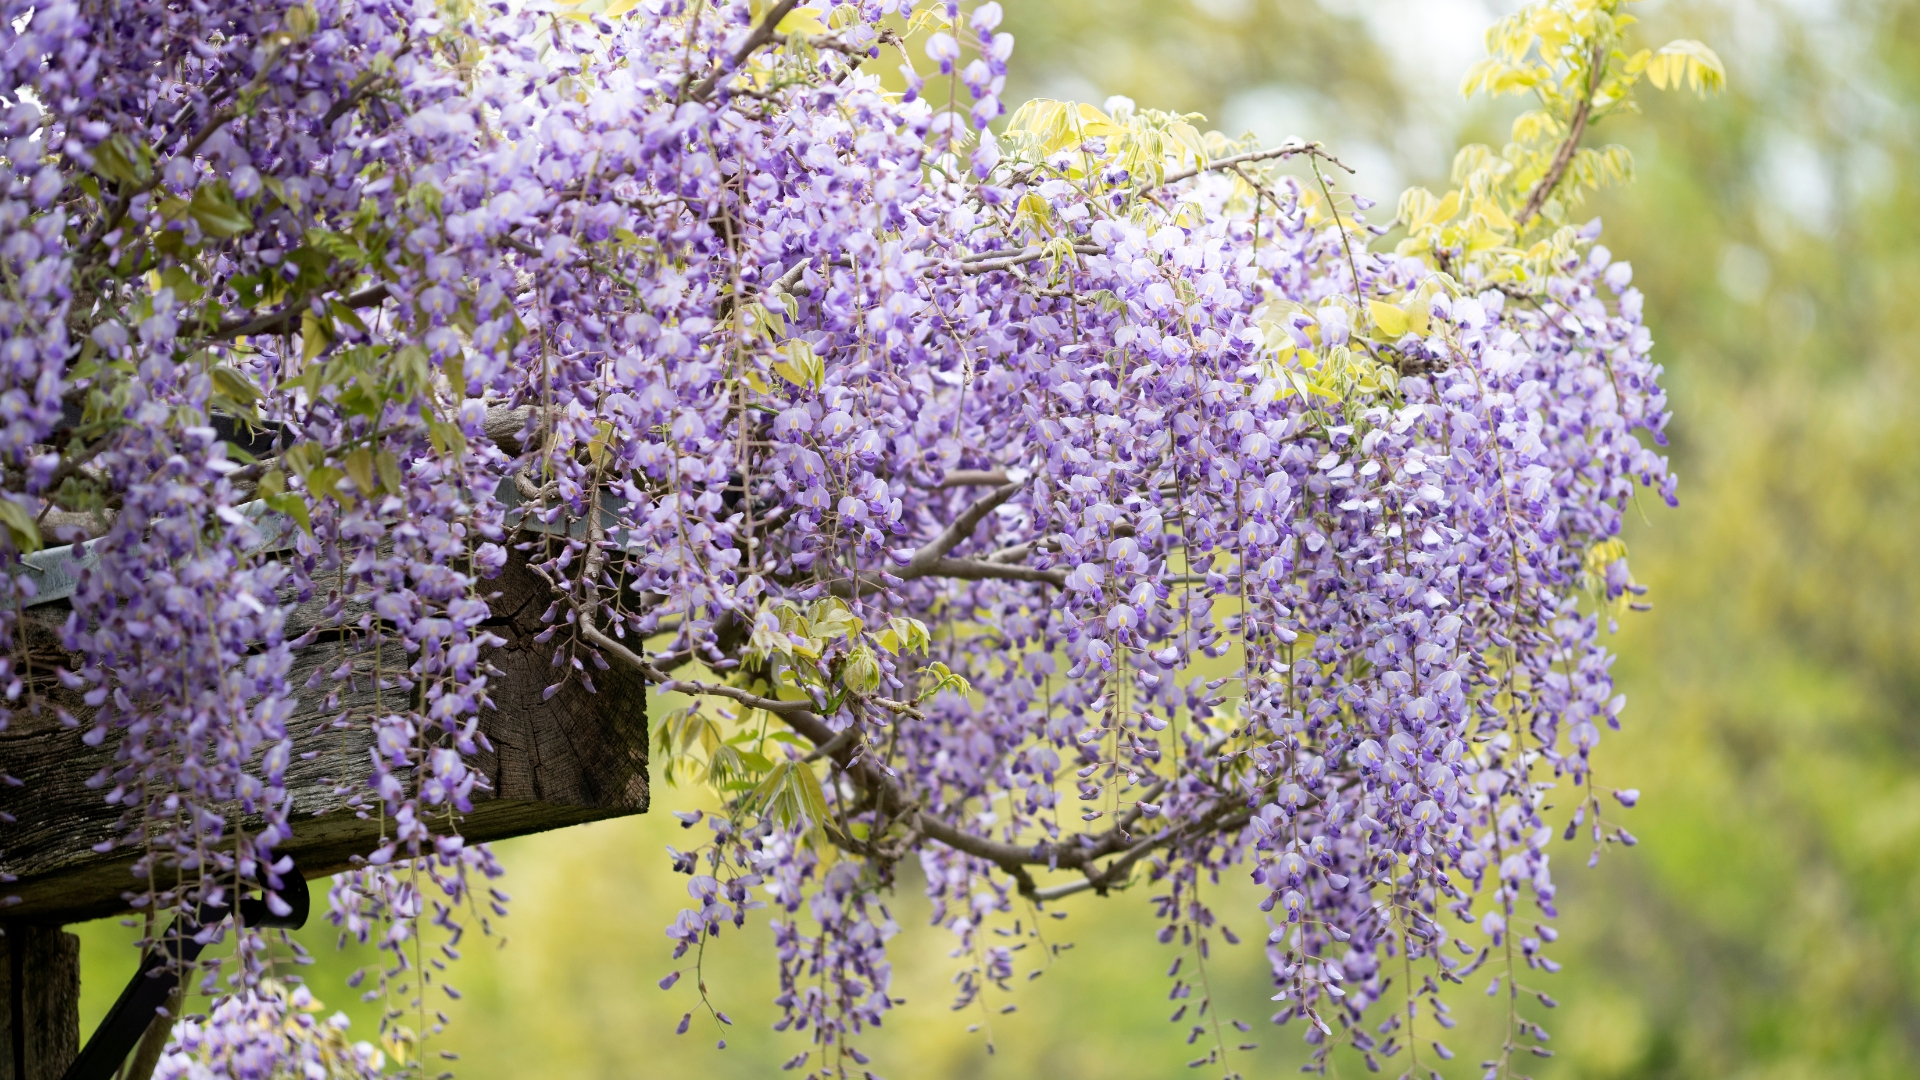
(861, 672)
(1391, 320)
(234, 386)
(315, 336)
(20, 525)
(1689, 60)
(800, 365)
(803, 21)
(791, 795)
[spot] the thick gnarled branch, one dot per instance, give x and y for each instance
(935, 550)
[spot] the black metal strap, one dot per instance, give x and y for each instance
(160, 971)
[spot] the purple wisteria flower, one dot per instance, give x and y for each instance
(1075, 507)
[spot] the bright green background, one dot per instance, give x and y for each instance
(1766, 926)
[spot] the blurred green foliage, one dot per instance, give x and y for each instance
(1768, 925)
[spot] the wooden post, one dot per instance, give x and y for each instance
(40, 989)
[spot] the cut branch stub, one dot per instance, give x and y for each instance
(572, 758)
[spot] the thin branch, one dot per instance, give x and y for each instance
(996, 253)
(762, 34)
(974, 478)
(1225, 817)
(71, 465)
(286, 319)
(1018, 552)
(358, 91)
(988, 266)
(900, 707)
(976, 570)
(775, 706)
(1006, 856)
(1031, 250)
(826, 43)
(1563, 157)
(667, 684)
(1291, 149)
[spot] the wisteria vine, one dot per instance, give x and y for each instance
(1090, 504)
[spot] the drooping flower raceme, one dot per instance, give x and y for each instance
(1084, 505)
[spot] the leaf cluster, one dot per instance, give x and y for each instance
(1510, 208)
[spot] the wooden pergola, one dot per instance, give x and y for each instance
(574, 758)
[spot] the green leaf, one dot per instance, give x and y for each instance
(234, 386)
(813, 801)
(830, 619)
(802, 366)
(336, 246)
(252, 290)
(903, 635)
(185, 288)
(725, 767)
(412, 365)
(303, 458)
(213, 207)
(292, 505)
(803, 21)
(944, 678)
(767, 797)
(791, 794)
(299, 22)
(347, 315)
(314, 336)
(1687, 60)
(315, 269)
(601, 444)
(446, 438)
(19, 523)
(323, 482)
(123, 160)
(861, 672)
(424, 197)
(1391, 320)
(360, 466)
(389, 469)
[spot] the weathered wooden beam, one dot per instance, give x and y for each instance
(573, 758)
(39, 1002)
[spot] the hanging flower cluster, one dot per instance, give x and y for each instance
(266, 1032)
(1083, 506)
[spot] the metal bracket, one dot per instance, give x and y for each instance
(160, 971)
